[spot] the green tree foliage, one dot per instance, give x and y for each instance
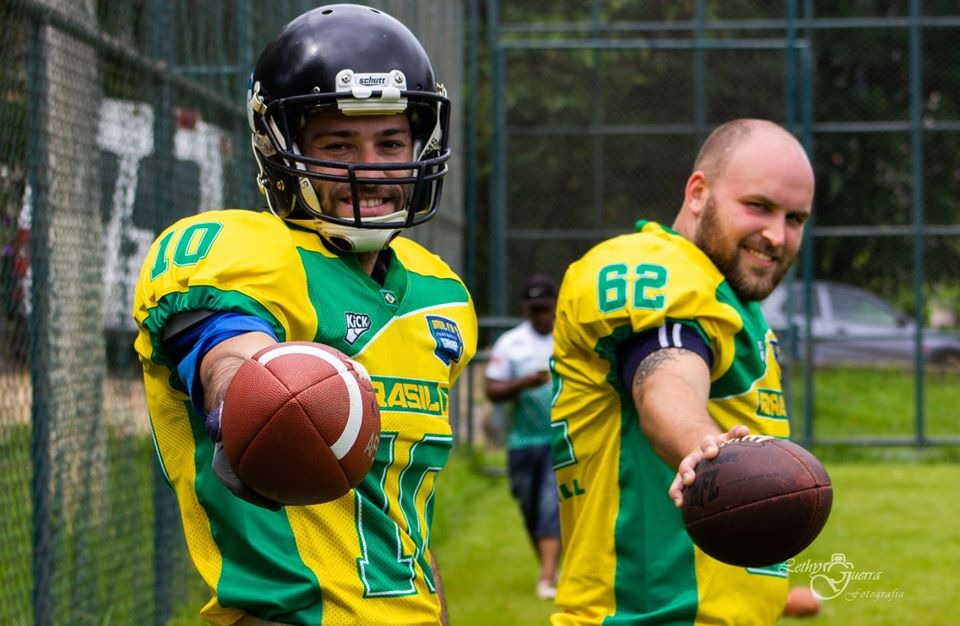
(607, 101)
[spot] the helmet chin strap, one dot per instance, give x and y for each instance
(353, 239)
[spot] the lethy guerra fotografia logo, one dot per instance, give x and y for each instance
(838, 578)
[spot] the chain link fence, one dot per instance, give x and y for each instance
(596, 113)
(117, 118)
(120, 116)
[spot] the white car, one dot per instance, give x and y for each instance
(851, 325)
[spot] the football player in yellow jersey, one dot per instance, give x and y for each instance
(350, 132)
(661, 354)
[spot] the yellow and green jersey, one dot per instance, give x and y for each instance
(627, 557)
(364, 558)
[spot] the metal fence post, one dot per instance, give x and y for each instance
(164, 502)
(37, 148)
(918, 212)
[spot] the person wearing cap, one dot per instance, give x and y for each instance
(518, 373)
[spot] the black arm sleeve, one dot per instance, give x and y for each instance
(631, 352)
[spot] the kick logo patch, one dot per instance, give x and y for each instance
(357, 324)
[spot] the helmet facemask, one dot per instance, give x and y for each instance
(287, 176)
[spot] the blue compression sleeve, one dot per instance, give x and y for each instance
(188, 347)
(631, 352)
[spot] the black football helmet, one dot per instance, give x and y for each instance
(354, 60)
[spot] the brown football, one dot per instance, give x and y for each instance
(759, 502)
(300, 423)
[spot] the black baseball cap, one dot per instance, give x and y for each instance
(539, 289)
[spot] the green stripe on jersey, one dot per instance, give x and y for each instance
(649, 538)
(366, 299)
(647, 521)
(748, 365)
(279, 576)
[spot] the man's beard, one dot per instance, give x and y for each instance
(726, 256)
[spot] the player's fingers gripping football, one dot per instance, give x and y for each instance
(225, 474)
(222, 469)
(359, 369)
(709, 447)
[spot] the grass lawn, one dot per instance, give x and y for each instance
(488, 565)
(895, 524)
(875, 402)
(893, 518)
(892, 522)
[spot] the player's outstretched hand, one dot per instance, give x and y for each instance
(229, 478)
(709, 447)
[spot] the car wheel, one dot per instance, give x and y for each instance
(947, 359)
